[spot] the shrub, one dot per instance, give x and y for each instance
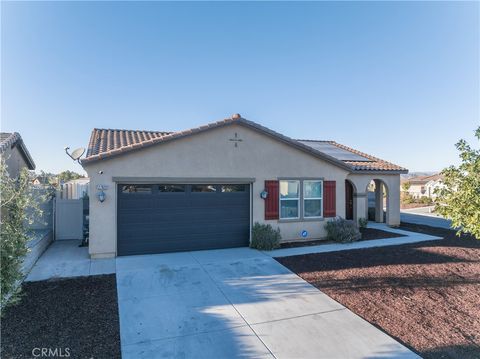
(264, 237)
(407, 198)
(425, 200)
(16, 198)
(341, 230)
(362, 222)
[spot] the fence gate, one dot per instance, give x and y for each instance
(68, 219)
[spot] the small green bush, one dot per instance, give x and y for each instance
(425, 200)
(362, 222)
(341, 230)
(264, 237)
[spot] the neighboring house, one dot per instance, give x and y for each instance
(75, 189)
(15, 153)
(203, 188)
(424, 186)
(434, 184)
(41, 181)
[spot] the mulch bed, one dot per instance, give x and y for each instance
(367, 235)
(426, 295)
(78, 316)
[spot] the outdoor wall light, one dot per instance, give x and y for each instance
(101, 196)
(263, 194)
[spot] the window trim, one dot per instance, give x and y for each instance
(289, 199)
(312, 198)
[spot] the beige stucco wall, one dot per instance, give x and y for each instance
(210, 155)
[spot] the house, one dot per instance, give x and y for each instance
(41, 181)
(436, 182)
(15, 153)
(203, 188)
(424, 186)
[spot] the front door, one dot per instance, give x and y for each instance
(348, 200)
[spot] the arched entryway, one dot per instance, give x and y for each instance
(349, 191)
(377, 197)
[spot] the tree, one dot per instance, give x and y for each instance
(406, 186)
(15, 198)
(459, 198)
(66, 176)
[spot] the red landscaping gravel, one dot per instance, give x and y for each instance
(74, 317)
(426, 295)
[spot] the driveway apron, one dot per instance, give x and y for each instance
(235, 303)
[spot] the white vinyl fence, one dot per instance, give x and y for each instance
(68, 219)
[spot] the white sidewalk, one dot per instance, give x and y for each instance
(411, 237)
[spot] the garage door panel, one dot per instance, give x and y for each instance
(166, 222)
(178, 217)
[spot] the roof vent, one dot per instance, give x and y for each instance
(236, 116)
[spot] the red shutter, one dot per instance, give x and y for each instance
(271, 202)
(329, 200)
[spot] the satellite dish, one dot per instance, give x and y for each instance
(76, 154)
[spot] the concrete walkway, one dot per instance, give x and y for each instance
(65, 259)
(411, 237)
(235, 303)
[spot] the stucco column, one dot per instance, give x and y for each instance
(360, 206)
(378, 201)
(393, 202)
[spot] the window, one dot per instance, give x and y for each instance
(171, 188)
(230, 188)
(136, 188)
(289, 199)
(312, 199)
(203, 188)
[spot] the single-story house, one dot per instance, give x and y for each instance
(424, 186)
(204, 188)
(15, 153)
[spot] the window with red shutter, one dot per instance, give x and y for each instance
(271, 202)
(329, 199)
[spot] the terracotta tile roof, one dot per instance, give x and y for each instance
(8, 140)
(424, 179)
(105, 143)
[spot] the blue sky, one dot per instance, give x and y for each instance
(397, 80)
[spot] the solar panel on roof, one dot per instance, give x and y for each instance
(334, 151)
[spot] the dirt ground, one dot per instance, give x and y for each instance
(426, 295)
(76, 318)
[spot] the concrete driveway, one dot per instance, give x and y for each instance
(235, 303)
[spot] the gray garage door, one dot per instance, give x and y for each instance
(159, 218)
